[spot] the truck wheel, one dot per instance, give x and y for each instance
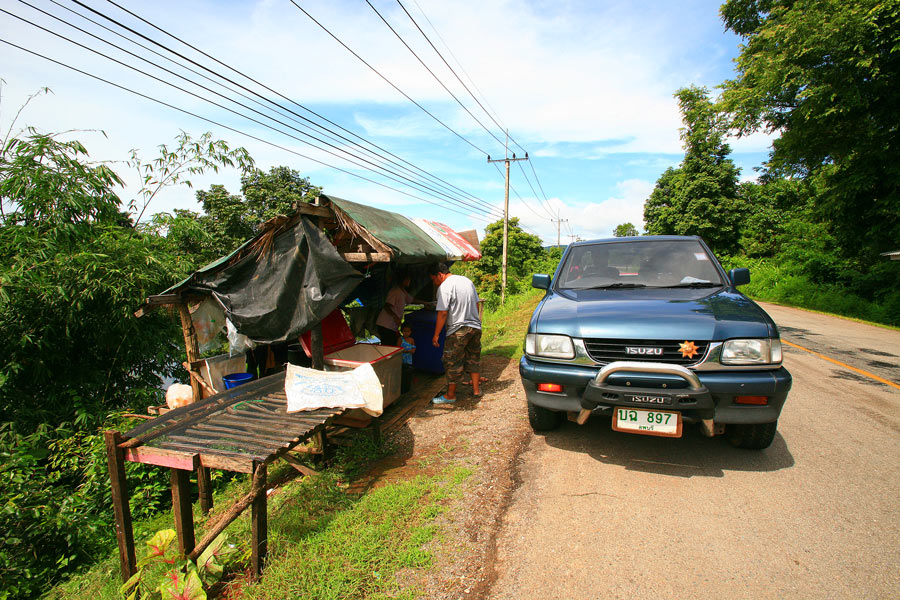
(542, 419)
(752, 437)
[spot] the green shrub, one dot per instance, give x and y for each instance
(55, 504)
(785, 282)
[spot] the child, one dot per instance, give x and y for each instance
(409, 348)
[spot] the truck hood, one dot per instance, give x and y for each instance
(652, 314)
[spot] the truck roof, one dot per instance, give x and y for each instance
(639, 238)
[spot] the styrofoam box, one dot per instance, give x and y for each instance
(385, 360)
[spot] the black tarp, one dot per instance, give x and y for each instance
(294, 285)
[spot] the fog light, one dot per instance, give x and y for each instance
(751, 399)
(550, 387)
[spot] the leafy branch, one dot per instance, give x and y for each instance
(173, 167)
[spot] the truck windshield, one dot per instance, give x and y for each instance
(633, 264)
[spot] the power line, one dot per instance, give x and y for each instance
(459, 64)
(325, 131)
(438, 52)
(451, 68)
(245, 76)
(525, 175)
(393, 175)
(436, 78)
(531, 163)
(389, 82)
(232, 129)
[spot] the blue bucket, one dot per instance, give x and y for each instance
(236, 379)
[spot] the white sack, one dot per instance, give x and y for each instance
(309, 389)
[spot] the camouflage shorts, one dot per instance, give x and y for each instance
(462, 353)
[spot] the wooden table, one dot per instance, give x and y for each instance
(242, 430)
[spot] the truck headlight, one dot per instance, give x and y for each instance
(751, 352)
(549, 346)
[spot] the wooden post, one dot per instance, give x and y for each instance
(320, 440)
(317, 352)
(259, 524)
(256, 485)
(191, 346)
(192, 350)
(124, 532)
(506, 160)
(204, 483)
(181, 506)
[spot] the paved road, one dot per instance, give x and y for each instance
(601, 514)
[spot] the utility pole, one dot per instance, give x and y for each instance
(507, 160)
(558, 223)
(574, 237)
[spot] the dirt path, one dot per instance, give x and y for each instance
(486, 435)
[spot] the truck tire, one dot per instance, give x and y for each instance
(542, 419)
(752, 437)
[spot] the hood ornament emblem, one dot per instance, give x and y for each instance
(688, 349)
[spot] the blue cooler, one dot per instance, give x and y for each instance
(426, 357)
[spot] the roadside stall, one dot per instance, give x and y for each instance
(284, 283)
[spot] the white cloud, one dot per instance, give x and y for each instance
(588, 220)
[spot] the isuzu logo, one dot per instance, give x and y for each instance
(648, 399)
(638, 350)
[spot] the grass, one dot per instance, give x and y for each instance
(357, 552)
(773, 282)
(505, 328)
(323, 542)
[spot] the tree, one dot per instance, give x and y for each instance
(525, 255)
(188, 235)
(173, 167)
(626, 230)
(823, 74)
(776, 203)
(48, 185)
(227, 218)
(522, 248)
(700, 196)
(231, 219)
(276, 192)
(71, 276)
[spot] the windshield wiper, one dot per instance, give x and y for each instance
(693, 284)
(611, 286)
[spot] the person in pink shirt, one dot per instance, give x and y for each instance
(390, 317)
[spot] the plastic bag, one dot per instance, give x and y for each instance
(237, 342)
(178, 395)
(209, 320)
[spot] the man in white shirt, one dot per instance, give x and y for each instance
(457, 308)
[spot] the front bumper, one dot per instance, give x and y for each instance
(712, 398)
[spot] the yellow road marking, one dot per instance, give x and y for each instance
(845, 365)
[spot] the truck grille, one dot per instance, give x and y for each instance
(607, 351)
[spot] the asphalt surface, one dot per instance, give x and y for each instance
(601, 514)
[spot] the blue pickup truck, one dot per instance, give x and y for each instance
(652, 333)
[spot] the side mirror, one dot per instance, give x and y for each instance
(739, 277)
(540, 281)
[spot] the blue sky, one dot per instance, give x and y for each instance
(585, 87)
